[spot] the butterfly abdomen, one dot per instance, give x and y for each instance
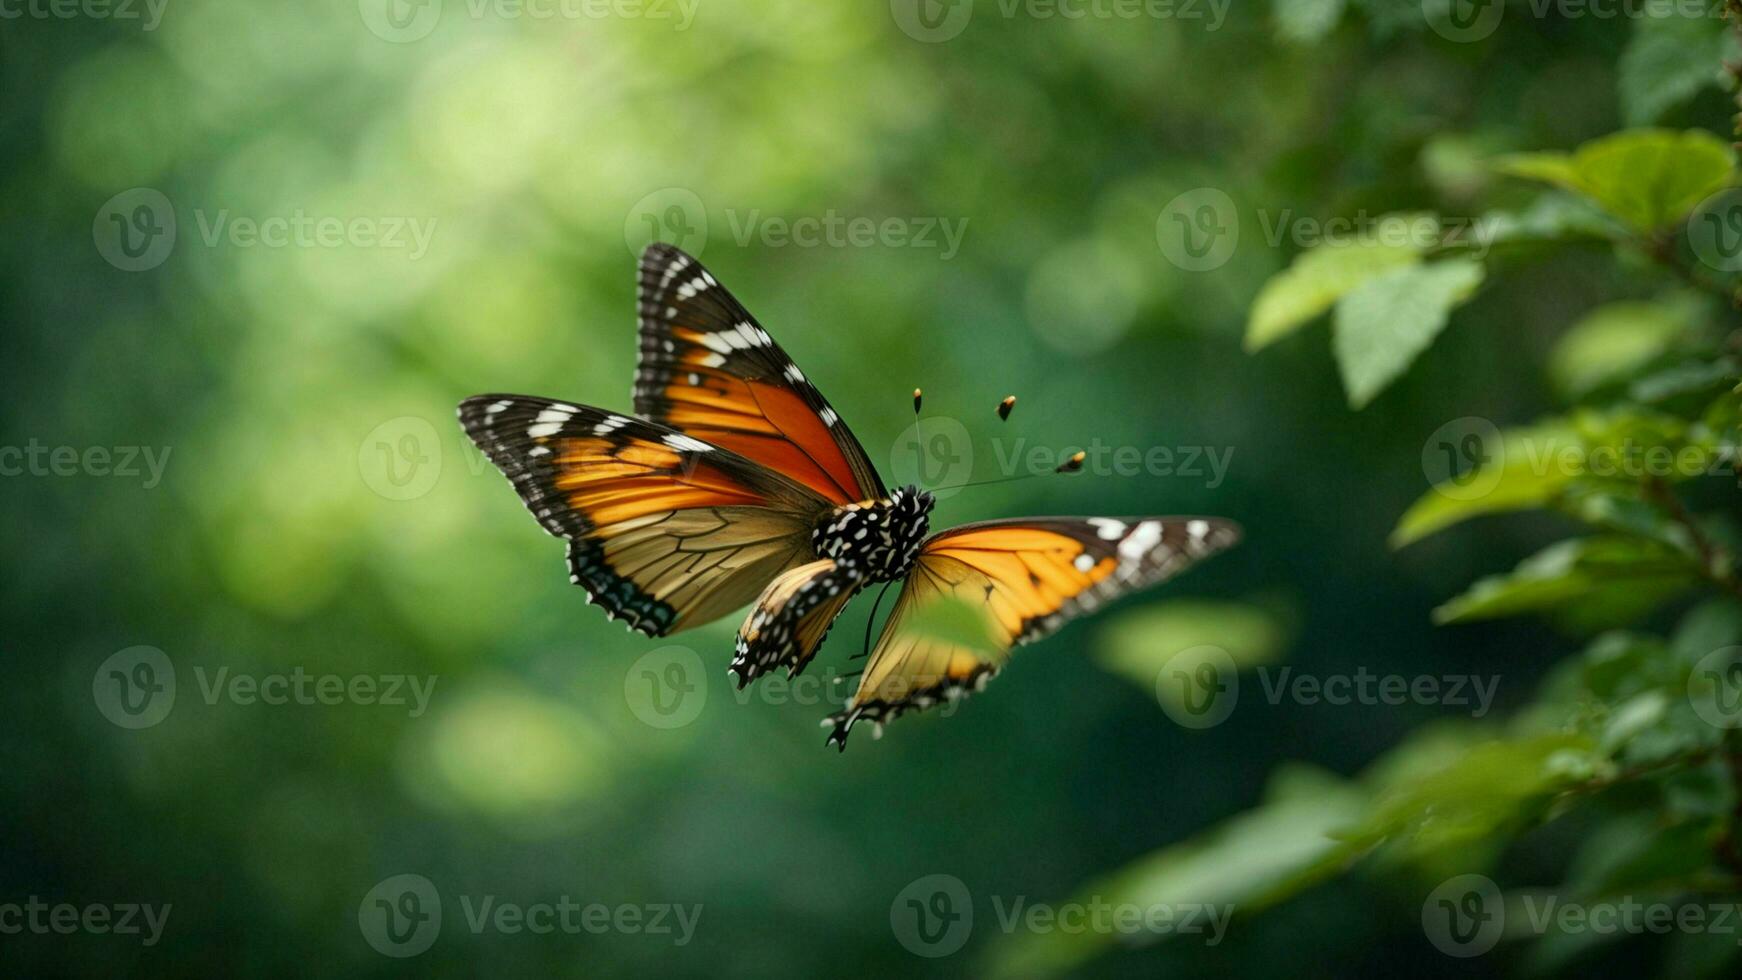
(876, 539)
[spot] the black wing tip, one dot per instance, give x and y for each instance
(662, 251)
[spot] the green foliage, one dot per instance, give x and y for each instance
(1616, 339)
(1628, 732)
(1385, 324)
(1253, 860)
(1670, 57)
(1614, 576)
(1139, 643)
(956, 622)
(1648, 178)
(1324, 274)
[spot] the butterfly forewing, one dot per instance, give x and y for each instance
(664, 530)
(1029, 576)
(710, 370)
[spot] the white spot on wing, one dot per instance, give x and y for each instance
(678, 440)
(1108, 528)
(1138, 543)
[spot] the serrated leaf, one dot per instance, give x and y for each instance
(1571, 570)
(1668, 59)
(1554, 216)
(1379, 329)
(1613, 340)
(1323, 274)
(1481, 791)
(1521, 476)
(1649, 178)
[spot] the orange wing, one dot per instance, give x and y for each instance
(709, 369)
(664, 530)
(1029, 576)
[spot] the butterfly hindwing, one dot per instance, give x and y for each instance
(664, 530)
(790, 619)
(1030, 576)
(709, 369)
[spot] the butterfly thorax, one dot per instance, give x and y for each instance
(878, 539)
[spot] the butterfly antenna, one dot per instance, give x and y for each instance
(918, 443)
(1071, 465)
(873, 620)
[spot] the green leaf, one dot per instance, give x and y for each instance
(1140, 643)
(1649, 178)
(1553, 217)
(1306, 21)
(1621, 567)
(1669, 58)
(1522, 475)
(954, 621)
(1249, 861)
(1380, 328)
(1323, 274)
(1615, 339)
(1424, 810)
(1687, 378)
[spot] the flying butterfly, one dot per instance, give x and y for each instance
(736, 482)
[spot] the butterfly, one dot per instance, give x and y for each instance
(736, 482)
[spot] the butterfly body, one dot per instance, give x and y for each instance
(737, 483)
(878, 539)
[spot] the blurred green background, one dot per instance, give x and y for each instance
(318, 509)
